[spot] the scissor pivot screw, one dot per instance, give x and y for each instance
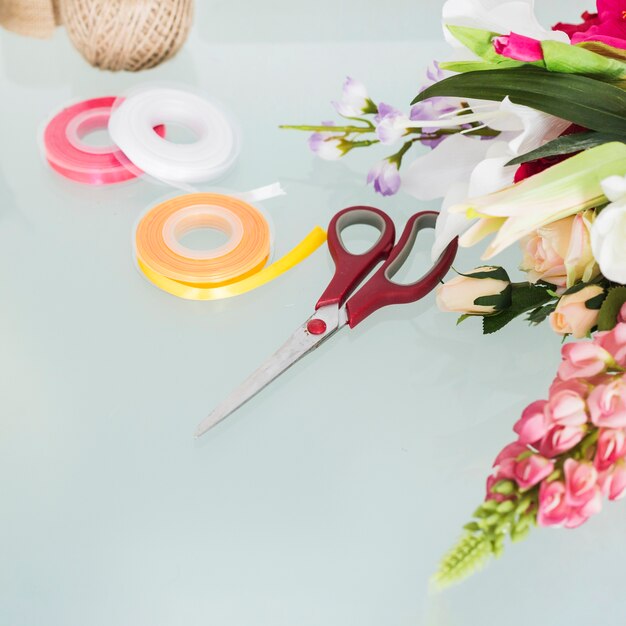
(316, 326)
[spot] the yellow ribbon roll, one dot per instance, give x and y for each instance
(229, 270)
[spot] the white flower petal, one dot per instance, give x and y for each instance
(450, 225)
(614, 187)
(431, 175)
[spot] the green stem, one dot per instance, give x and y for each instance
(330, 129)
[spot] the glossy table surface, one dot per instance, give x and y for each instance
(327, 500)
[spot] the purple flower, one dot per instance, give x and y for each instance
(354, 100)
(385, 177)
(390, 123)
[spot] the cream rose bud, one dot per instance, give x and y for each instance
(560, 253)
(481, 291)
(573, 316)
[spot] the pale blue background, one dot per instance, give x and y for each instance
(329, 499)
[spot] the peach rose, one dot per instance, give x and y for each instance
(572, 316)
(461, 293)
(560, 253)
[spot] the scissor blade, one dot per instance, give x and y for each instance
(298, 345)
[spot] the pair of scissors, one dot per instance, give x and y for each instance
(337, 307)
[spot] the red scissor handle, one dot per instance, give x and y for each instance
(351, 269)
(380, 290)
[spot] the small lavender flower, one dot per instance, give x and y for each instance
(326, 145)
(354, 100)
(385, 176)
(390, 123)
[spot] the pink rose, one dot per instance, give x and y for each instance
(560, 439)
(582, 360)
(607, 404)
(533, 424)
(581, 482)
(560, 252)
(461, 292)
(611, 446)
(613, 482)
(614, 342)
(552, 510)
(567, 408)
(572, 317)
(531, 470)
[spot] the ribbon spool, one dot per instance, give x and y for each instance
(229, 270)
(68, 154)
(208, 157)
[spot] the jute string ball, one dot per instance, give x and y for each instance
(115, 35)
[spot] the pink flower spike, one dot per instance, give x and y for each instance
(552, 509)
(611, 446)
(532, 470)
(573, 385)
(582, 360)
(509, 453)
(607, 404)
(560, 439)
(621, 316)
(613, 482)
(518, 47)
(580, 483)
(534, 424)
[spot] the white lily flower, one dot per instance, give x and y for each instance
(478, 164)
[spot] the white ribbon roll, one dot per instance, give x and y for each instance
(208, 157)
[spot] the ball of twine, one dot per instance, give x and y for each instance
(129, 35)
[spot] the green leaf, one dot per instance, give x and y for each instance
(604, 49)
(567, 144)
(479, 66)
(610, 308)
(488, 271)
(595, 303)
(479, 41)
(584, 101)
(538, 315)
(524, 297)
(568, 59)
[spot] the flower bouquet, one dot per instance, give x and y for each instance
(527, 135)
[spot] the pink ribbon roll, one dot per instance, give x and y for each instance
(75, 159)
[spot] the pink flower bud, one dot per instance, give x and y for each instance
(518, 47)
(460, 293)
(572, 316)
(533, 424)
(560, 439)
(611, 446)
(613, 482)
(614, 342)
(582, 360)
(567, 408)
(532, 470)
(552, 510)
(580, 482)
(607, 404)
